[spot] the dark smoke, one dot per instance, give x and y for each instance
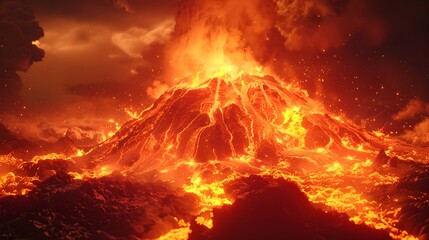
(18, 30)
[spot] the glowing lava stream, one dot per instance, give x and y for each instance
(200, 135)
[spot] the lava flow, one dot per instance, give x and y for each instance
(205, 143)
(229, 152)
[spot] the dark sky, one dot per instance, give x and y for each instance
(366, 59)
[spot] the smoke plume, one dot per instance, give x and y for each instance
(413, 108)
(324, 24)
(18, 32)
(218, 36)
(417, 112)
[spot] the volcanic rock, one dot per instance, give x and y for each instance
(276, 209)
(64, 208)
(223, 119)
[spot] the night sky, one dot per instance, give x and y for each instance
(365, 59)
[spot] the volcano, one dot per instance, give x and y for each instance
(200, 135)
(209, 151)
(253, 119)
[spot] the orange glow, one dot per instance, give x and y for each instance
(11, 184)
(204, 135)
(96, 173)
(181, 233)
(226, 108)
(132, 114)
(257, 124)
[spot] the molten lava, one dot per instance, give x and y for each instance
(201, 136)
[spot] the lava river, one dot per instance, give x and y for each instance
(245, 157)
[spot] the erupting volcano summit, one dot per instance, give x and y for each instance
(252, 119)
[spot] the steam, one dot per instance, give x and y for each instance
(136, 40)
(420, 133)
(228, 36)
(415, 109)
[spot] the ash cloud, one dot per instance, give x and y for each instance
(212, 33)
(322, 24)
(18, 30)
(344, 52)
(100, 58)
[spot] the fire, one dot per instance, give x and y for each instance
(226, 118)
(202, 136)
(205, 134)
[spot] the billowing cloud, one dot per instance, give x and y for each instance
(212, 36)
(323, 24)
(19, 31)
(419, 134)
(84, 72)
(413, 109)
(416, 113)
(118, 54)
(135, 40)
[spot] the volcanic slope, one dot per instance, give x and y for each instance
(257, 120)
